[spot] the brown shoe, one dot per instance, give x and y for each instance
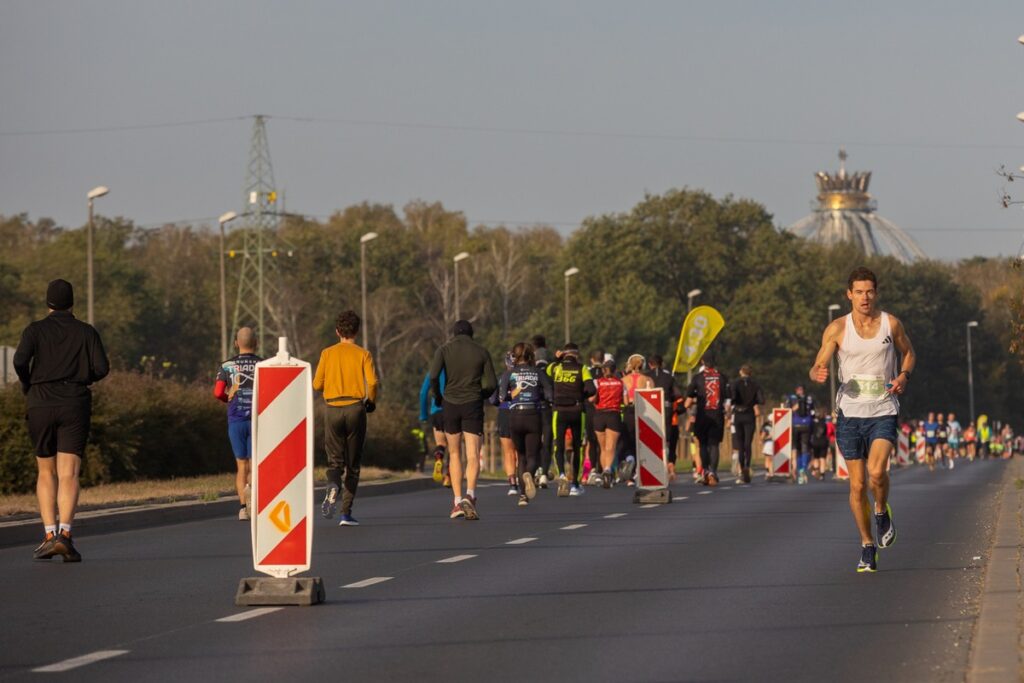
(66, 548)
(712, 479)
(47, 548)
(745, 475)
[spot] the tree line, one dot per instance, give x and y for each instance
(157, 294)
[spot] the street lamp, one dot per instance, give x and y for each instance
(461, 256)
(223, 220)
(568, 274)
(368, 237)
(832, 308)
(970, 368)
(94, 193)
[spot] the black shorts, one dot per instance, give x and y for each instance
(464, 417)
(708, 430)
(504, 428)
(605, 420)
(437, 421)
(59, 429)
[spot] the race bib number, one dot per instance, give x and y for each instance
(865, 386)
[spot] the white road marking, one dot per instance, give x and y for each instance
(521, 541)
(369, 582)
(76, 662)
(726, 488)
(703, 493)
(650, 505)
(680, 498)
(615, 515)
(242, 616)
(573, 527)
(455, 558)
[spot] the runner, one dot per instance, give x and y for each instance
(348, 380)
(819, 444)
(942, 439)
(593, 444)
(571, 383)
(673, 436)
(803, 418)
(707, 392)
(57, 359)
(508, 447)
(607, 400)
(931, 441)
(876, 360)
(956, 433)
(747, 399)
(633, 379)
(526, 387)
(430, 411)
(470, 375)
(540, 351)
(234, 387)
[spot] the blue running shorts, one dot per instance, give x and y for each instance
(240, 434)
(854, 435)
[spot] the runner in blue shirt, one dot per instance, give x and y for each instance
(234, 387)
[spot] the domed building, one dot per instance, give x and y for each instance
(846, 213)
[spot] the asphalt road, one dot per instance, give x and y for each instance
(741, 584)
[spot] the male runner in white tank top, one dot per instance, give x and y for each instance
(876, 360)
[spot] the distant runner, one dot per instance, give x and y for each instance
(526, 387)
(571, 384)
(234, 387)
(607, 400)
(430, 411)
(876, 360)
(707, 391)
(747, 399)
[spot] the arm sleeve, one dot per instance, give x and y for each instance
(99, 364)
(425, 399)
(321, 370)
(503, 386)
(548, 388)
(488, 382)
(220, 391)
(370, 375)
(23, 358)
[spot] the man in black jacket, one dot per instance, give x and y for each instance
(57, 359)
(469, 379)
(747, 398)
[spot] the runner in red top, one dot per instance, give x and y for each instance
(607, 401)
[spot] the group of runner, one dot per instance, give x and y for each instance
(945, 440)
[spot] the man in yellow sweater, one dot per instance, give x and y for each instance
(346, 376)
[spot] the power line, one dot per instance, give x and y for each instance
(118, 129)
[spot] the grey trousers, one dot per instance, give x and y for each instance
(344, 434)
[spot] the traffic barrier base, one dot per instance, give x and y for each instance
(646, 496)
(267, 590)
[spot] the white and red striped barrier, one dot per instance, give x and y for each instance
(782, 442)
(842, 470)
(903, 450)
(920, 449)
(282, 472)
(652, 463)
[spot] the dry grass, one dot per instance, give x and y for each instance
(205, 488)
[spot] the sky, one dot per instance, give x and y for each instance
(524, 112)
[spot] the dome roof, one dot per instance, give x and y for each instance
(846, 213)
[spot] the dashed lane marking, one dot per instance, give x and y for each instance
(616, 515)
(76, 662)
(521, 541)
(373, 581)
(703, 493)
(573, 527)
(455, 558)
(250, 614)
(650, 505)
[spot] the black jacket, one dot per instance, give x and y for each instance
(469, 372)
(57, 359)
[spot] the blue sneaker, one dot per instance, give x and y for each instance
(886, 528)
(868, 559)
(330, 503)
(348, 520)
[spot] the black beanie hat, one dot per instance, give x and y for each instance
(462, 327)
(60, 295)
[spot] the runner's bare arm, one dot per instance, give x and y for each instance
(909, 358)
(829, 344)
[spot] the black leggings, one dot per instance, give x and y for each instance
(525, 426)
(545, 438)
(568, 419)
(629, 432)
(745, 435)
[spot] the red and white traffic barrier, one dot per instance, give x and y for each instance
(903, 450)
(920, 449)
(782, 442)
(652, 457)
(842, 471)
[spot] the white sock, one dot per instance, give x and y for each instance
(458, 499)
(65, 527)
(50, 528)
(470, 493)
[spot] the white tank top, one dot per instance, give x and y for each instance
(865, 367)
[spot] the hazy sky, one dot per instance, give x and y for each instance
(523, 112)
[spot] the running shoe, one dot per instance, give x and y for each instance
(575, 490)
(886, 528)
(65, 547)
(243, 514)
(606, 479)
(529, 488)
(330, 504)
(745, 475)
(543, 481)
(457, 512)
(523, 501)
(468, 506)
(626, 469)
(47, 548)
(348, 520)
(513, 489)
(563, 487)
(712, 479)
(868, 559)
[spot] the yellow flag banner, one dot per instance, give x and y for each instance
(699, 330)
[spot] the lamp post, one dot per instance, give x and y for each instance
(970, 368)
(568, 274)
(223, 220)
(832, 308)
(461, 256)
(94, 193)
(368, 237)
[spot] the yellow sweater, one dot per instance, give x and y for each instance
(346, 374)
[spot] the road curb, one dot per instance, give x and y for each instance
(109, 520)
(999, 638)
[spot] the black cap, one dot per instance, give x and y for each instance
(60, 295)
(462, 327)
(610, 363)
